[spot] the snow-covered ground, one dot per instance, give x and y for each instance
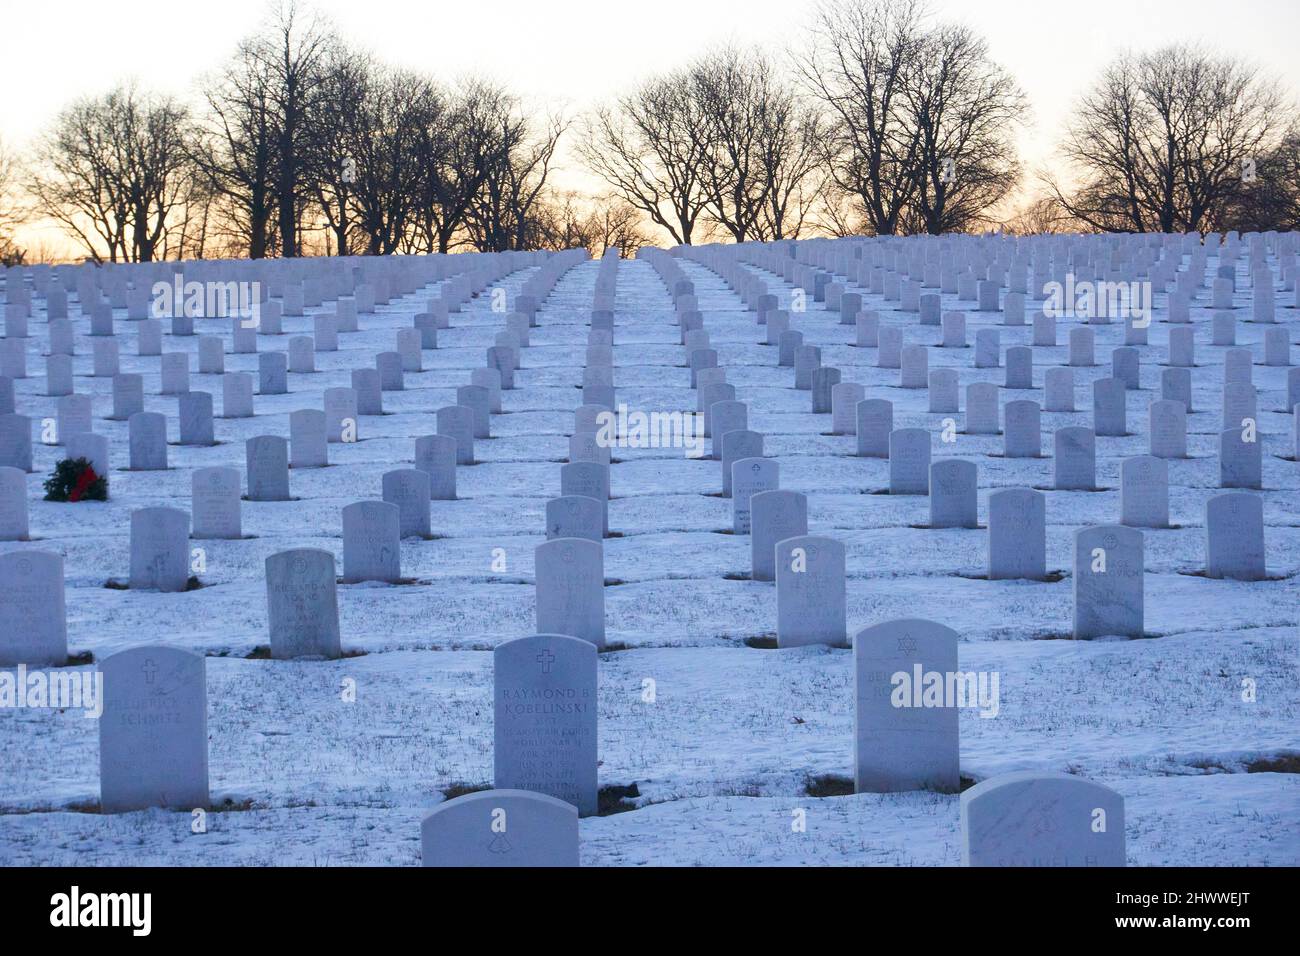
(736, 733)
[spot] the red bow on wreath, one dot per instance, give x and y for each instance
(87, 478)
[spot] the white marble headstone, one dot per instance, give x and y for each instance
(153, 736)
(1042, 819)
(544, 689)
(904, 725)
(810, 592)
(501, 828)
(570, 576)
(33, 621)
(1108, 582)
(302, 604)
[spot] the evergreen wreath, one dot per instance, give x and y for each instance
(75, 480)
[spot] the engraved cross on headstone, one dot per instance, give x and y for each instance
(149, 669)
(546, 658)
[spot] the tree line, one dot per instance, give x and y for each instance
(880, 120)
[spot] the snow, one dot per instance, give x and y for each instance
(725, 752)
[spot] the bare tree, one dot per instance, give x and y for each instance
(456, 147)
(761, 168)
(237, 150)
(837, 213)
(919, 119)
(1269, 198)
(502, 213)
(558, 223)
(616, 223)
(855, 65)
(13, 213)
(293, 56)
(1038, 215)
(259, 148)
(112, 171)
(330, 165)
(1159, 143)
(188, 230)
(384, 136)
(795, 175)
(652, 148)
(567, 221)
(964, 107)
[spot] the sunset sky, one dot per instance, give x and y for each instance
(577, 52)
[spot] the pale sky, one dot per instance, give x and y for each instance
(578, 52)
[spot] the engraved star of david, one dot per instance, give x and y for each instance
(1042, 823)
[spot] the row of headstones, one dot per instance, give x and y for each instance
(1059, 383)
(1012, 304)
(975, 269)
(372, 530)
(1233, 550)
(1241, 451)
(810, 592)
(302, 607)
(128, 390)
(174, 366)
(912, 361)
(545, 758)
(116, 281)
(715, 396)
(1234, 553)
(809, 571)
(1017, 819)
(545, 754)
(159, 554)
(302, 604)
(159, 536)
(147, 431)
(145, 290)
(1240, 442)
(569, 569)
